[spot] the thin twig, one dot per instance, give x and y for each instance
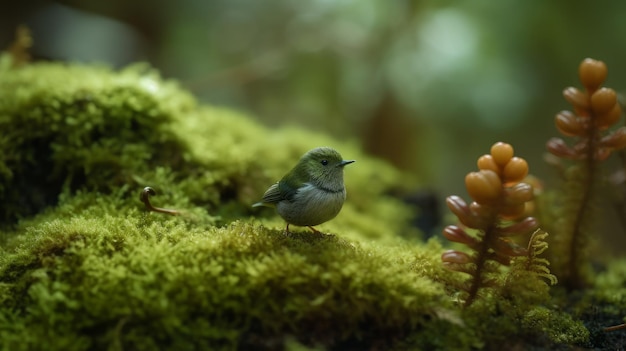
(615, 327)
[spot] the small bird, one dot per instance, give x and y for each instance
(312, 192)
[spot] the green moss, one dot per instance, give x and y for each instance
(77, 126)
(138, 280)
(604, 305)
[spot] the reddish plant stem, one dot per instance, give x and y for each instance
(615, 327)
(481, 259)
(574, 279)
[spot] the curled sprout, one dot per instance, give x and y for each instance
(145, 198)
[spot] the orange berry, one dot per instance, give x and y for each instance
(603, 100)
(515, 170)
(501, 153)
(568, 124)
(577, 98)
(483, 186)
(592, 73)
(610, 118)
(487, 162)
(518, 194)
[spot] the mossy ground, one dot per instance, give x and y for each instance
(84, 266)
(142, 281)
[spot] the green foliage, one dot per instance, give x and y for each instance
(529, 277)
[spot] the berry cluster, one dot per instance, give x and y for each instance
(595, 110)
(497, 214)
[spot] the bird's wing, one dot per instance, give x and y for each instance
(272, 195)
(287, 191)
(278, 192)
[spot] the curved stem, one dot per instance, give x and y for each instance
(145, 198)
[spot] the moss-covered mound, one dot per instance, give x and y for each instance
(84, 266)
(76, 126)
(142, 281)
(72, 127)
(93, 269)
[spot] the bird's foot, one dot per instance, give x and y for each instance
(287, 232)
(320, 234)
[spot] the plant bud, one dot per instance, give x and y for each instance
(581, 147)
(457, 205)
(524, 226)
(458, 235)
(481, 210)
(518, 194)
(577, 98)
(610, 118)
(460, 209)
(602, 154)
(559, 148)
(483, 186)
(515, 170)
(453, 256)
(615, 140)
(603, 100)
(502, 153)
(487, 162)
(592, 73)
(568, 124)
(482, 215)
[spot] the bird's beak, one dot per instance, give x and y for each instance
(344, 162)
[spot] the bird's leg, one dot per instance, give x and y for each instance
(287, 229)
(314, 230)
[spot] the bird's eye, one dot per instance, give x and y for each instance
(324, 162)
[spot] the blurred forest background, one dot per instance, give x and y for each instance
(429, 85)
